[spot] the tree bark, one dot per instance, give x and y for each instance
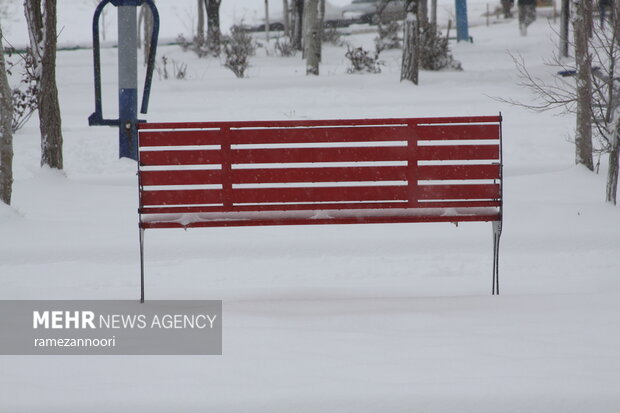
(287, 21)
(312, 38)
(411, 47)
(42, 31)
(298, 10)
(583, 135)
(321, 28)
(214, 36)
(267, 24)
(6, 132)
(200, 30)
(564, 28)
(614, 167)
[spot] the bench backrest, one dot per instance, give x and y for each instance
(225, 173)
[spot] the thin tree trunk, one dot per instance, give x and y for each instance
(287, 20)
(312, 38)
(411, 47)
(321, 28)
(614, 167)
(583, 136)
(42, 31)
(434, 13)
(6, 132)
(564, 28)
(213, 26)
(267, 24)
(298, 10)
(200, 30)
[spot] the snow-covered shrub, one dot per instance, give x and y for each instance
(25, 93)
(389, 36)
(179, 69)
(332, 35)
(360, 61)
(435, 52)
(285, 48)
(238, 47)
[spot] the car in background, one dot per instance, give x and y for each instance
(333, 18)
(366, 11)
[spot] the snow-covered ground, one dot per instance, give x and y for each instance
(367, 318)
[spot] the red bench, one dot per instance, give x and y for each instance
(361, 171)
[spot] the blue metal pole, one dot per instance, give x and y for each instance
(128, 81)
(462, 28)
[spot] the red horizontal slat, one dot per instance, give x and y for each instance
(321, 194)
(439, 172)
(180, 138)
(322, 221)
(459, 204)
(319, 134)
(183, 177)
(461, 132)
(324, 122)
(319, 207)
(286, 175)
(181, 197)
(488, 191)
(184, 157)
(346, 154)
(277, 207)
(458, 152)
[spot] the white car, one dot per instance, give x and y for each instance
(366, 11)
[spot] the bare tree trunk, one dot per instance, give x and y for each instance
(287, 20)
(321, 29)
(313, 40)
(564, 28)
(434, 13)
(583, 136)
(214, 35)
(614, 167)
(267, 24)
(200, 30)
(411, 47)
(6, 132)
(298, 10)
(42, 31)
(148, 32)
(423, 13)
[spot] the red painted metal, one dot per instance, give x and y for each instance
(427, 192)
(316, 206)
(182, 177)
(181, 197)
(350, 220)
(186, 157)
(456, 172)
(458, 152)
(330, 122)
(343, 184)
(326, 174)
(457, 132)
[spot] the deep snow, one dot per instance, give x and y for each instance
(328, 318)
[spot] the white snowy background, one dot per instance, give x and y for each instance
(361, 318)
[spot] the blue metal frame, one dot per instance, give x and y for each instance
(462, 27)
(127, 120)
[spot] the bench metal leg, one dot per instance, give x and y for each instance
(142, 265)
(497, 232)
